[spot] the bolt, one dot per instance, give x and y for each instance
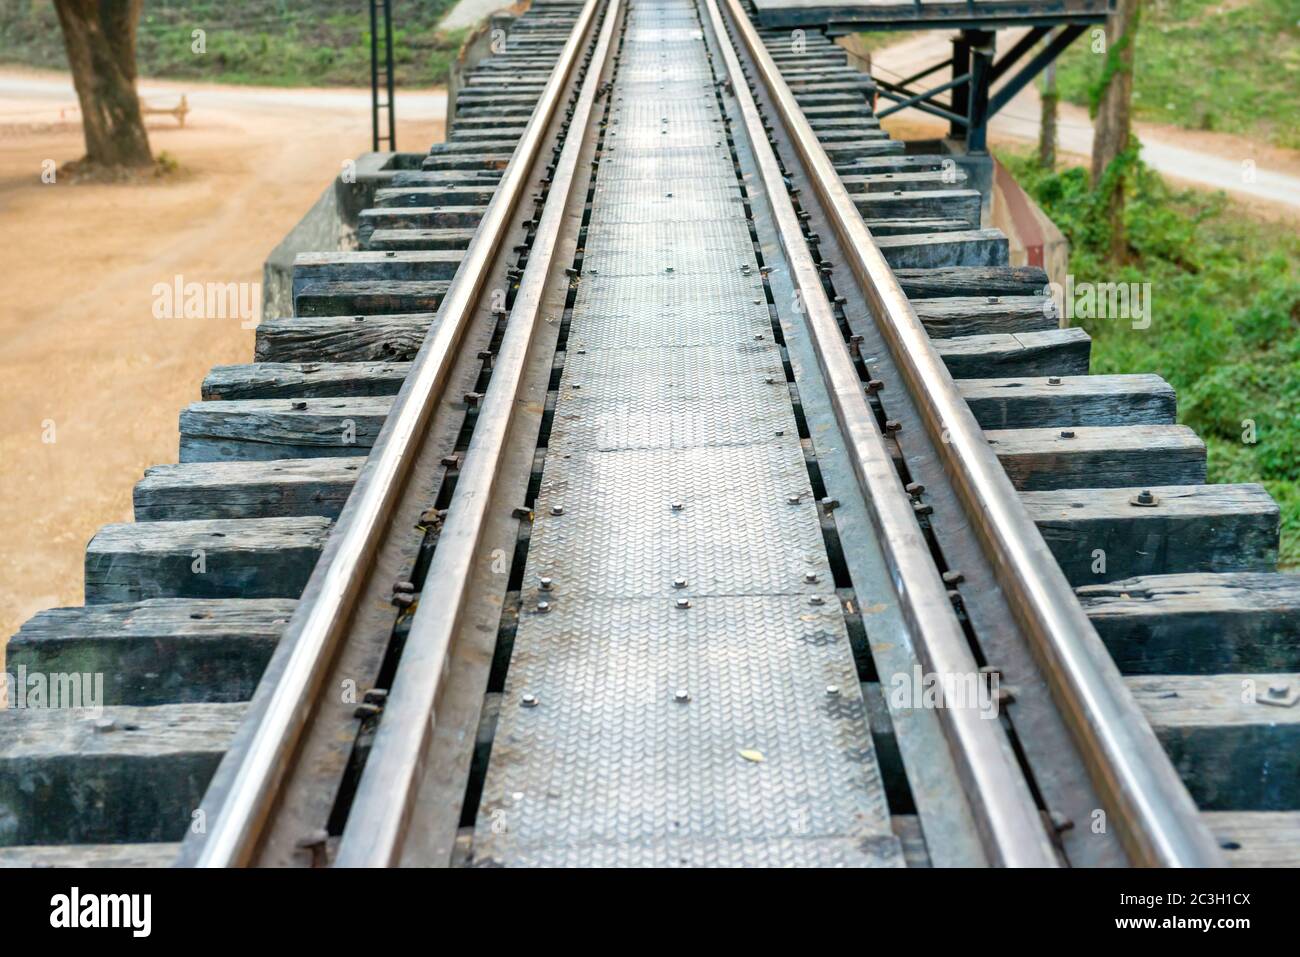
(810, 577)
(1144, 498)
(683, 603)
(992, 300)
(874, 386)
(557, 509)
(105, 725)
(681, 696)
(816, 600)
(677, 506)
(953, 578)
(1278, 691)
(529, 700)
(544, 583)
(1053, 380)
(893, 426)
(679, 582)
(300, 406)
(833, 691)
(914, 489)
(792, 499)
(1067, 433)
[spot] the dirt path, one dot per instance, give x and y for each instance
(1267, 178)
(83, 362)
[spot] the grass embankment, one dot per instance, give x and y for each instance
(1225, 319)
(1228, 65)
(266, 42)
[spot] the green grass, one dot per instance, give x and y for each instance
(269, 42)
(1225, 318)
(1237, 71)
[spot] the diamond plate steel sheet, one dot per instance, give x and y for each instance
(652, 736)
(681, 689)
(737, 530)
(688, 248)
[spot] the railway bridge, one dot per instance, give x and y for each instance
(676, 473)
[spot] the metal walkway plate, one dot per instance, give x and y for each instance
(683, 691)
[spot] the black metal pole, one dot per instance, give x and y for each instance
(374, 79)
(981, 68)
(960, 67)
(388, 43)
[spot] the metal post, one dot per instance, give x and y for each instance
(388, 59)
(374, 78)
(960, 67)
(981, 69)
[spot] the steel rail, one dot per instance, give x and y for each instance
(1158, 822)
(277, 722)
(381, 809)
(1011, 828)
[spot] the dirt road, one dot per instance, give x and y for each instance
(1266, 177)
(90, 382)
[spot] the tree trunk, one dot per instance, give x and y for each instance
(1111, 126)
(1047, 118)
(99, 36)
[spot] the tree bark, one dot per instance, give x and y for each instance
(1112, 123)
(99, 36)
(1047, 116)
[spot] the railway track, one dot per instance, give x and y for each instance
(614, 501)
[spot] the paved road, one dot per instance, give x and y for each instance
(57, 88)
(1164, 148)
(469, 12)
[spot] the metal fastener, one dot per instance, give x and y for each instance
(543, 607)
(810, 577)
(1145, 499)
(544, 583)
(1067, 433)
(1053, 380)
(681, 696)
(833, 691)
(557, 509)
(679, 582)
(683, 603)
(529, 700)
